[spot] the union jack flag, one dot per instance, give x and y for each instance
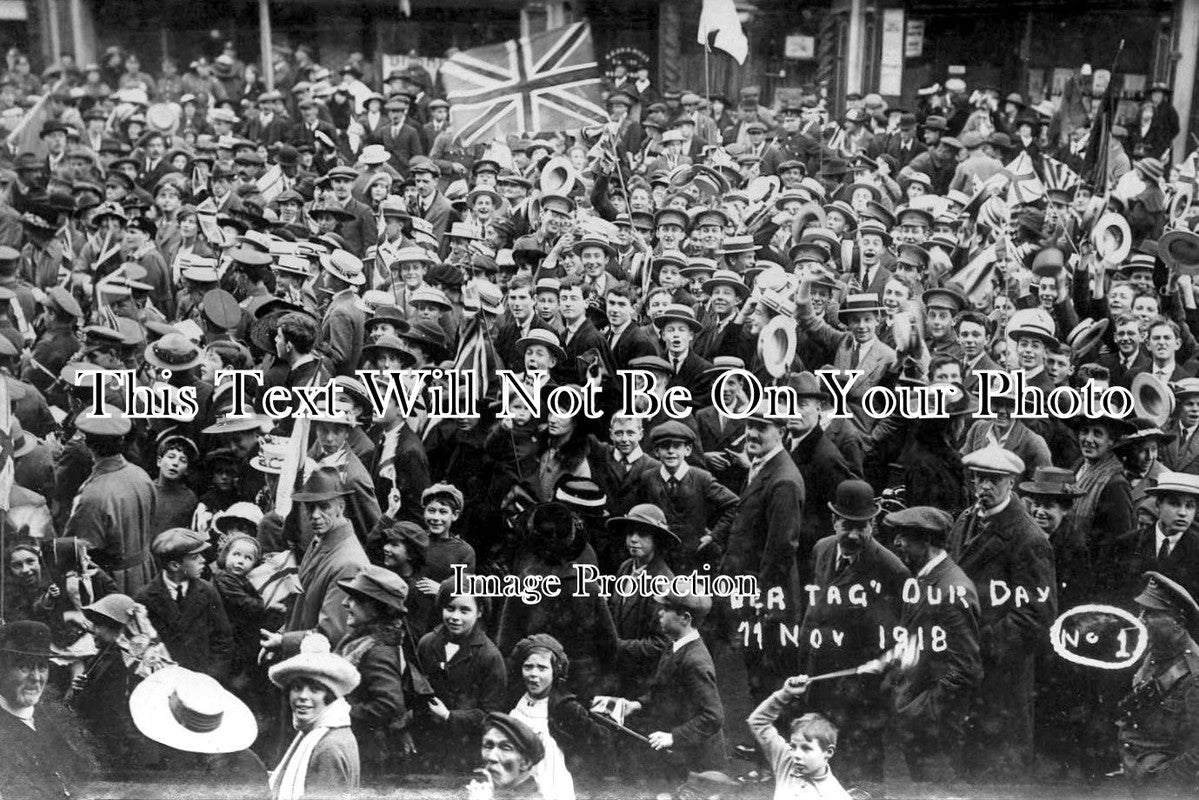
(546, 82)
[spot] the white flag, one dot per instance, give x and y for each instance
(720, 16)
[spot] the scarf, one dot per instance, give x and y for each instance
(287, 781)
(1091, 480)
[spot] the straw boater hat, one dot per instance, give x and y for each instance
(317, 662)
(191, 711)
(544, 337)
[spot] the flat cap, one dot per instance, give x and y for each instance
(525, 739)
(443, 491)
(672, 431)
(112, 423)
(933, 523)
(697, 605)
(995, 460)
(178, 542)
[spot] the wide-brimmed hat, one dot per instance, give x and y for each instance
(1032, 322)
(644, 516)
(429, 335)
(391, 344)
(174, 351)
(323, 484)
(344, 266)
(1144, 430)
(380, 585)
(1175, 483)
(1052, 482)
(317, 662)
(854, 500)
(192, 712)
(677, 312)
(1086, 336)
(544, 337)
(861, 304)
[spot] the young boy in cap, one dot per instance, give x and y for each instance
(174, 501)
(443, 505)
(682, 710)
(698, 508)
(185, 609)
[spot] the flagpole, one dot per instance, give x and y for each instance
(707, 76)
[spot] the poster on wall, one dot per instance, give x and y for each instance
(799, 47)
(890, 73)
(913, 42)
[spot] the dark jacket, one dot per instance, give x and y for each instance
(196, 630)
(471, 684)
(44, 764)
(641, 641)
(766, 532)
(684, 701)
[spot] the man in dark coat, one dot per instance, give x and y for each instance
(682, 710)
(1170, 546)
(821, 464)
(929, 701)
(361, 232)
(431, 205)
(399, 136)
(39, 762)
(581, 336)
(762, 542)
(678, 328)
(1002, 550)
(848, 633)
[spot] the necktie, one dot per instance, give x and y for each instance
(676, 362)
(1163, 552)
(853, 359)
(179, 593)
(843, 563)
(672, 487)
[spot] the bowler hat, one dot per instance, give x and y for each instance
(854, 500)
(26, 638)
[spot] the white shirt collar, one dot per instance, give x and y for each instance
(761, 461)
(172, 586)
(632, 457)
(932, 562)
(23, 714)
(689, 636)
(683, 470)
(990, 512)
(1159, 536)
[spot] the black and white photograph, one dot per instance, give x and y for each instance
(599, 399)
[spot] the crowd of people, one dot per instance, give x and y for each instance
(212, 592)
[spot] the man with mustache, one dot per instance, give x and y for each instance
(1000, 548)
(851, 557)
(38, 762)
